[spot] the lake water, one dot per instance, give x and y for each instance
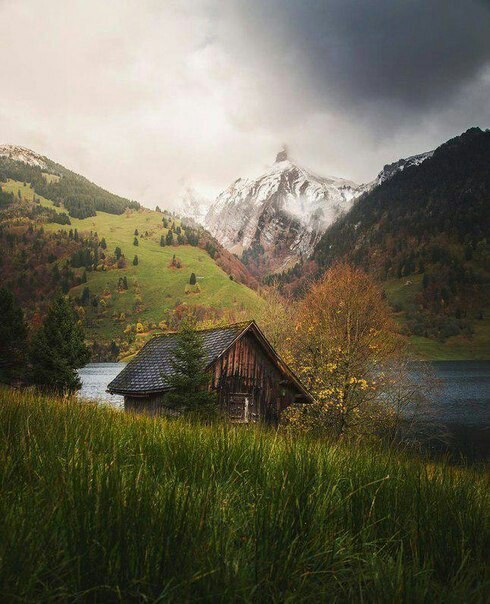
(95, 378)
(461, 398)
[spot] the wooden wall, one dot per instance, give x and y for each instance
(246, 368)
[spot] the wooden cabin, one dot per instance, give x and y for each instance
(252, 382)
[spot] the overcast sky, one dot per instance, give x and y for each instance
(146, 97)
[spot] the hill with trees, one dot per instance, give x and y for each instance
(126, 268)
(425, 233)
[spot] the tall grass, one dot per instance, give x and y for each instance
(96, 505)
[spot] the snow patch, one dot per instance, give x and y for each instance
(21, 154)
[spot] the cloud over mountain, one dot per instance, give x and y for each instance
(149, 97)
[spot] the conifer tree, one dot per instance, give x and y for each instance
(162, 241)
(170, 238)
(192, 280)
(58, 349)
(135, 241)
(13, 334)
(135, 261)
(85, 296)
(190, 380)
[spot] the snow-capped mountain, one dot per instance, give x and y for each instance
(26, 156)
(285, 211)
(391, 169)
(192, 204)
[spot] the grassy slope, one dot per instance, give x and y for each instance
(161, 286)
(402, 294)
(97, 505)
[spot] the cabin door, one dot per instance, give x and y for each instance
(242, 408)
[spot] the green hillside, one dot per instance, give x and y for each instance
(157, 288)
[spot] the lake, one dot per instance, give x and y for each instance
(95, 377)
(461, 399)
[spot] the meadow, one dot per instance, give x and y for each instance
(98, 505)
(159, 285)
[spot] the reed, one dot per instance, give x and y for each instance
(97, 505)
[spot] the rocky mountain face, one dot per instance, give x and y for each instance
(21, 154)
(391, 169)
(277, 218)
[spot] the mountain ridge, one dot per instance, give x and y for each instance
(280, 213)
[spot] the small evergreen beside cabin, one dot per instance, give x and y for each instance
(251, 381)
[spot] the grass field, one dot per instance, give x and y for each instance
(160, 286)
(97, 505)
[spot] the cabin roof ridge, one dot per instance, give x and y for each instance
(205, 329)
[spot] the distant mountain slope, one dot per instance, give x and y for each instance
(128, 270)
(278, 217)
(80, 197)
(426, 226)
(391, 169)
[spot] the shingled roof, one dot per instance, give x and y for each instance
(146, 373)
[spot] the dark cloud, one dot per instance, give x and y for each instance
(415, 54)
(144, 95)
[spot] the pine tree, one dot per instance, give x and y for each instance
(117, 253)
(190, 380)
(58, 349)
(192, 280)
(103, 243)
(135, 241)
(162, 241)
(136, 232)
(135, 261)
(125, 282)
(170, 238)
(13, 334)
(85, 296)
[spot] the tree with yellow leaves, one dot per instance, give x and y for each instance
(344, 340)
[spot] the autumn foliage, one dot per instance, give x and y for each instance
(343, 344)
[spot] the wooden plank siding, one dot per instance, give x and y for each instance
(246, 369)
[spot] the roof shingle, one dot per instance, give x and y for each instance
(148, 370)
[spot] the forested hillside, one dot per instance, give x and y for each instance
(130, 271)
(426, 233)
(79, 196)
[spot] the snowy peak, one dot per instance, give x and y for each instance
(282, 155)
(26, 156)
(391, 169)
(284, 211)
